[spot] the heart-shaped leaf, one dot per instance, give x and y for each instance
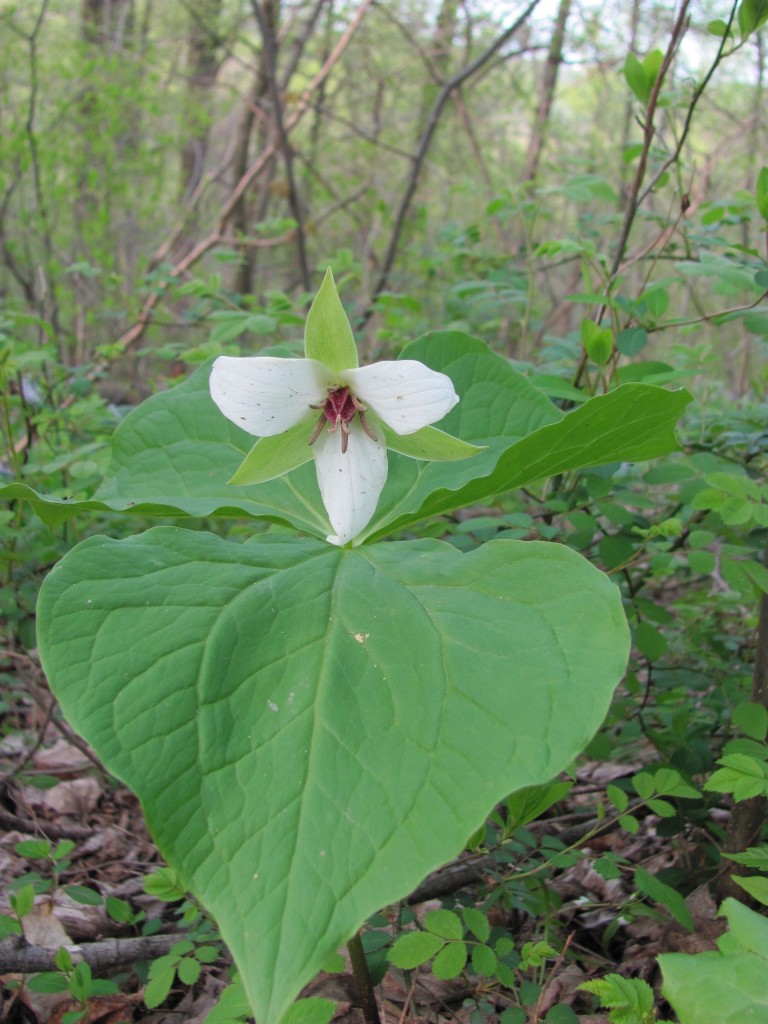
(312, 730)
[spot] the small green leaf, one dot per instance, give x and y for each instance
(23, 900)
(48, 982)
(414, 949)
(650, 641)
(751, 719)
(530, 803)
(312, 1010)
(632, 340)
(63, 959)
(83, 894)
(761, 193)
(757, 572)
(207, 954)
(597, 341)
(718, 28)
(754, 857)
(104, 987)
(159, 986)
(164, 884)
(513, 1015)
(617, 796)
(8, 926)
(529, 993)
(643, 784)
(535, 954)
(635, 78)
(664, 894)
(641, 75)
(751, 16)
(663, 808)
(328, 336)
(188, 970)
(81, 982)
(34, 849)
(62, 849)
(630, 999)
(560, 1013)
(444, 923)
(232, 1005)
(755, 885)
(72, 1016)
(477, 922)
(484, 960)
(118, 910)
(450, 961)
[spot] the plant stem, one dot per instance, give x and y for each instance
(748, 817)
(363, 980)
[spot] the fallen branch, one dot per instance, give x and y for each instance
(17, 956)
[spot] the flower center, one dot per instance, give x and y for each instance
(338, 410)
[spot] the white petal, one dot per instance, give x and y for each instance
(266, 395)
(406, 394)
(350, 482)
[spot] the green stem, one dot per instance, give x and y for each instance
(363, 980)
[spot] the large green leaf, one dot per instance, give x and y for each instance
(633, 423)
(312, 730)
(175, 453)
(725, 987)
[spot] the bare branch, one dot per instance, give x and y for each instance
(270, 62)
(424, 143)
(17, 956)
(135, 333)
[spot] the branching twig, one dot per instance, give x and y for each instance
(269, 43)
(135, 333)
(423, 146)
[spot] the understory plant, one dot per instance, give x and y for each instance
(316, 718)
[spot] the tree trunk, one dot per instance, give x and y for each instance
(547, 94)
(749, 816)
(242, 213)
(202, 67)
(626, 128)
(107, 23)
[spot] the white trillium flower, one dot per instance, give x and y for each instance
(343, 415)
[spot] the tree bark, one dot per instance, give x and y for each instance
(17, 956)
(547, 94)
(202, 68)
(241, 215)
(749, 816)
(453, 83)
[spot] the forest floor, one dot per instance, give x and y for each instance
(52, 787)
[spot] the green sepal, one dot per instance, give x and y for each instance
(429, 444)
(272, 457)
(328, 336)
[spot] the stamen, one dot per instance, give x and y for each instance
(366, 425)
(318, 426)
(339, 409)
